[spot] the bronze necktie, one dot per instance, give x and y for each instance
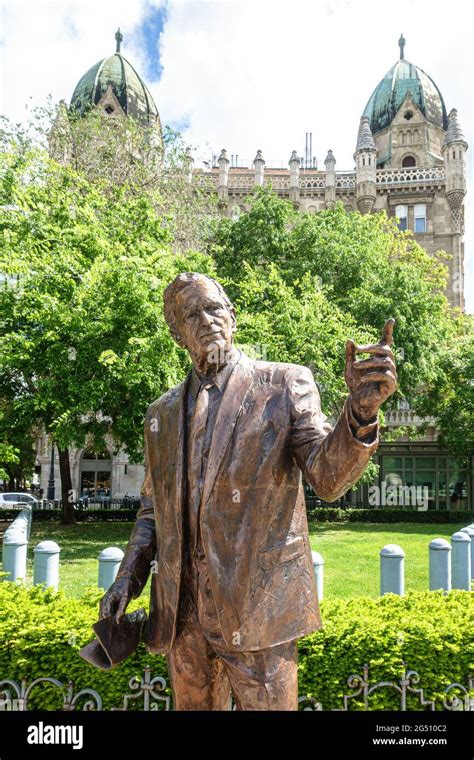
(196, 440)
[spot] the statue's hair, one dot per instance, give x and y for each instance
(180, 282)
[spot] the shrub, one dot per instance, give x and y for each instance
(383, 515)
(41, 632)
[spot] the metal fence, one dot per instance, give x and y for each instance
(149, 694)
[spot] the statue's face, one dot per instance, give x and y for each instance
(205, 323)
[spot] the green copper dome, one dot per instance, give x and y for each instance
(402, 79)
(129, 89)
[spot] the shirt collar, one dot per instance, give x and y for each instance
(220, 379)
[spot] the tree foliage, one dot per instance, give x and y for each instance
(84, 340)
(363, 267)
(449, 398)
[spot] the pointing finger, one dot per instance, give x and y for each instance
(350, 351)
(387, 332)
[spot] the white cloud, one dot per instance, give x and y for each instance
(253, 74)
(47, 46)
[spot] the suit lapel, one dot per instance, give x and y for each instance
(235, 390)
(176, 446)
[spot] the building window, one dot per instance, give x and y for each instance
(437, 480)
(402, 213)
(409, 161)
(95, 474)
(420, 217)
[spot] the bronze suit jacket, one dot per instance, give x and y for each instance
(254, 529)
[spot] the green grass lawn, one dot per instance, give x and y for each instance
(351, 554)
(350, 551)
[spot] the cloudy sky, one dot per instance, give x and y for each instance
(246, 75)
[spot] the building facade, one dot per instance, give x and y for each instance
(409, 161)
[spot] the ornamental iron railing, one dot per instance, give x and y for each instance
(149, 693)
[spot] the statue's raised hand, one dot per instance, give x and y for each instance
(371, 381)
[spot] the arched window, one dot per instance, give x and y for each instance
(409, 161)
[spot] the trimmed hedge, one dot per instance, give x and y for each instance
(337, 514)
(41, 632)
(318, 514)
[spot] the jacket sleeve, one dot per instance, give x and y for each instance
(142, 547)
(331, 459)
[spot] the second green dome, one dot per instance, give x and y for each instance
(388, 96)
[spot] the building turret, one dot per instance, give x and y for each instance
(223, 190)
(330, 190)
(294, 164)
(454, 154)
(366, 168)
(259, 164)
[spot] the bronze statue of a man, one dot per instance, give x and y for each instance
(222, 514)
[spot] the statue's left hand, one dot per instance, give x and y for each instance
(371, 381)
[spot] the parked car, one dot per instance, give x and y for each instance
(9, 500)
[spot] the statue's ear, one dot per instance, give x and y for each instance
(179, 340)
(234, 321)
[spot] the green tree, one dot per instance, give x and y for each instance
(84, 339)
(115, 151)
(17, 440)
(311, 281)
(449, 398)
(364, 265)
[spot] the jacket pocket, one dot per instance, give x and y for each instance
(281, 553)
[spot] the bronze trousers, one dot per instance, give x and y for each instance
(203, 670)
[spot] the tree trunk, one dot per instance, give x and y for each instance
(67, 494)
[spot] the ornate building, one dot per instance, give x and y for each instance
(409, 161)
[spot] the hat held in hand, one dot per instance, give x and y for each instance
(115, 641)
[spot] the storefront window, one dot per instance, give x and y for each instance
(442, 480)
(426, 481)
(442, 501)
(392, 463)
(95, 474)
(457, 489)
(427, 463)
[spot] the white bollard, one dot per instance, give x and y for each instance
(22, 522)
(440, 564)
(392, 570)
(109, 563)
(318, 566)
(15, 546)
(470, 532)
(46, 569)
(461, 561)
